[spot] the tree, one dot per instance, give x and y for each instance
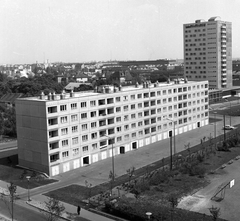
(9, 200)
(89, 186)
(173, 199)
(53, 209)
(130, 173)
(215, 212)
(1, 126)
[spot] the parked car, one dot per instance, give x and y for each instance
(228, 127)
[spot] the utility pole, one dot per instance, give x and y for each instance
(224, 124)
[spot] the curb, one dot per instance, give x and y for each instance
(65, 218)
(107, 215)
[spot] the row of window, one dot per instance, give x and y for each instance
(102, 143)
(102, 101)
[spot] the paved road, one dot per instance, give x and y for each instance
(10, 144)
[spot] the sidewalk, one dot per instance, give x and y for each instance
(37, 201)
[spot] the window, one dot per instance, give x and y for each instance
(119, 139)
(84, 127)
(64, 143)
(63, 120)
(75, 151)
(132, 97)
(94, 135)
(64, 131)
(85, 138)
(93, 114)
(53, 146)
(118, 119)
(140, 114)
(132, 106)
(92, 103)
(65, 154)
(74, 117)
(134, 134)
(85, 148)
(140, 133)
(139, 105)
(63, 107)
(75, 140)
(119, 129)
(52, 109)
(126, 127)
(139, 96)
(74, 129)
(93, 124)
(54, 157)
(84, 115)
(140, 123)
(118, 109)
(125, 108)
(126, 117)
(126, 137)
(133, 116)
(94, 146)
(74, 106)
(133, 125)
(118, 99)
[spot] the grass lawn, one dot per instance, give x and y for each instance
(74, 194)
(9, 172)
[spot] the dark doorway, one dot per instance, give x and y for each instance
(85, 160)
(122, 150)
(170, 133)
(198, 124)
(134, 145)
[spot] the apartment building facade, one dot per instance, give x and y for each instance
(58, 133)
(208, 52)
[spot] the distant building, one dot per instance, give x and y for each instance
(208, 52)
(8, 100)
(82, 78)
(58, 133)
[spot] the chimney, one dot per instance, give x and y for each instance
(49, 96)
(71, 93)
(62, 96)
(53, 95)
(42, 96)
(120, 87)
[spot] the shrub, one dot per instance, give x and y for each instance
(198, 171)
(200, 158)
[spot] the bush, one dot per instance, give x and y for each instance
(198, 171)
(161, 177)
(200, 158)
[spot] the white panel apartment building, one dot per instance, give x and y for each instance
(208, 52)
(58, 133)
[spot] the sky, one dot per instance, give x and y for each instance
(101, 30)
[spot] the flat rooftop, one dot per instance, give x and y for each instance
(45, 98)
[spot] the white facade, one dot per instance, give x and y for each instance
(58, 133)
(208, 52)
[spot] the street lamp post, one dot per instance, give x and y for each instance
(174, 141)
(215, 125)
(113, 175)
(230, 110)
(28, 179)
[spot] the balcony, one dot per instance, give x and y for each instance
(102, 113)
(52, 121)
(53, 133)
